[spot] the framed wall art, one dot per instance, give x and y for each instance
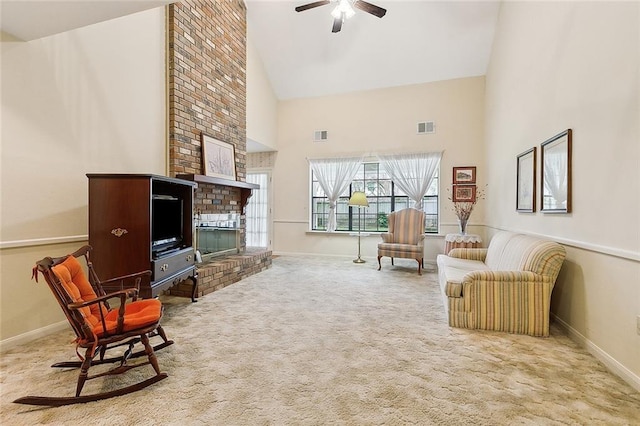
(555, 186)
(218, 158)
(464, 193)
(464, 175)
(526, 181)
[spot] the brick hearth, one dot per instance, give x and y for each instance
(223, 271)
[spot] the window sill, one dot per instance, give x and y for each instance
(363, 233)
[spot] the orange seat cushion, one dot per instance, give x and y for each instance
(137, 314)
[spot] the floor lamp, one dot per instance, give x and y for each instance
(359, 199)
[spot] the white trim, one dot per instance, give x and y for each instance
(431, 262)
(341, 233)
(306, 222)
(316, 255)
(369, 233)
(614, 366)
(596, 248)
(43, 241)
(33, 335)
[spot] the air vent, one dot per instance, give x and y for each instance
(426, 127)
(320, 135)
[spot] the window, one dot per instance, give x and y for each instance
(383, 196)
(257, 211)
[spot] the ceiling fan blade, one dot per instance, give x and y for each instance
(337, 25)
(370, 8)
(312, 5)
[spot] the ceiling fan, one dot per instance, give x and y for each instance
(344, 10)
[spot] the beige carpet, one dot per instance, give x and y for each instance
(316, 341)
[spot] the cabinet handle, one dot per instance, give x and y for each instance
(119, 232)
(164, 267)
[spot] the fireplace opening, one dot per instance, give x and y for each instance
(217, 235)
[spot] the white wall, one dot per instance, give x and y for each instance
(262, 104)
(90, 100)
(377, 121)
(559, 65)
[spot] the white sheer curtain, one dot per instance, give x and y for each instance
(555, 178)
(334, 176)
(257, 211)
(412, 173)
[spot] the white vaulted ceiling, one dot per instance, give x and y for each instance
(28, 20)
(416, 42)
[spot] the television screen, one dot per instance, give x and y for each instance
(166, 222)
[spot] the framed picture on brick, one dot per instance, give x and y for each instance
(218, 158)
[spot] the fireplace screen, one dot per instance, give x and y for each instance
(217, 235)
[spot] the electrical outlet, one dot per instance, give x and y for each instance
(638, 324)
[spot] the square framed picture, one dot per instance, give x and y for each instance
(218, 158)
(526, 181)
(464, 175)
(464, 193)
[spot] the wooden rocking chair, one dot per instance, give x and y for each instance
(98, 327)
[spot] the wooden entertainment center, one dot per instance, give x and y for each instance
(143, 222)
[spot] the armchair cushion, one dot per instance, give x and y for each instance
(400, 250)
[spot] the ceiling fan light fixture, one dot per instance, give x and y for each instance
(343, 10)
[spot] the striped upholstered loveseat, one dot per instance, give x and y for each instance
(505, 287)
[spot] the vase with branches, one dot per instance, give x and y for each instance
(463, 209)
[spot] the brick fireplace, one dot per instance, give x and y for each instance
(207, 94)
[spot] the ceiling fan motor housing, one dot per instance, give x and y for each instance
(344, 10)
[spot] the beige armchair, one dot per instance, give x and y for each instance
(405, 238)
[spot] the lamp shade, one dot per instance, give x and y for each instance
(358, 199)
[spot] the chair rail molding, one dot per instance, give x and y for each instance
(43, 241)
(596, 248)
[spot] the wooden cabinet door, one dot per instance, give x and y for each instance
(120, 225)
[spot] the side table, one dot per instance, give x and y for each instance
(452, 241)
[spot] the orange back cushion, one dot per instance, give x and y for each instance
(78, 288)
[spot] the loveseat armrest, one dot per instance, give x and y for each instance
(511, 301)
(469, 253)
(507, 277)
